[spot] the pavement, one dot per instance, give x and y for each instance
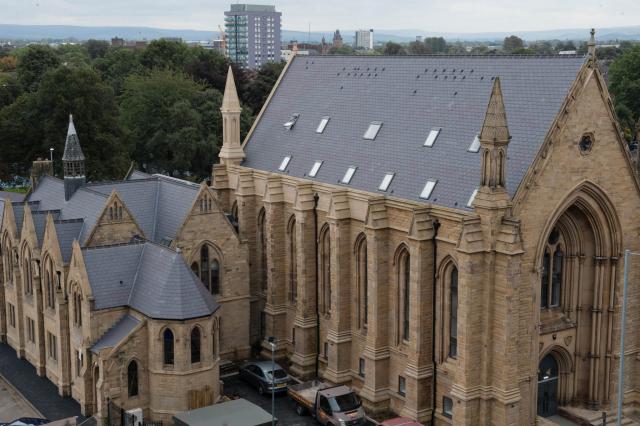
(39, 391)
(13, 405)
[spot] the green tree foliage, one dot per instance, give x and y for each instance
(10, 89)
(435, 45)
(97, 48)
(512, 43)
(257, 90)
(38, 120)
(165, 54)
(116, 65)
(392, 48)
(342, 50)
(73, 55)
(417, 48)
(624, 83)
(172, 123)
(33, 63)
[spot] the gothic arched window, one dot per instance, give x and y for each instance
(552, 271)
(195, 345)
(263, 248)
(167, 338)
(453, 313)
(325, 269)
(28, 272)
(132, 378)
(293, 261)
(361, 281)
(404, 287)
(208, 269)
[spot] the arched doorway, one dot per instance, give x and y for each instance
(548, 386)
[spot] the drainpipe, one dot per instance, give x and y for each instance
(436, 226)
(315, 239)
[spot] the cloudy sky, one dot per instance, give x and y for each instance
(427, 15)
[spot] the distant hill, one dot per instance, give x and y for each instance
(65, 32)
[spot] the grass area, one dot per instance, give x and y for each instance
(18, 189)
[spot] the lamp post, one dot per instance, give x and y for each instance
(51, 154)
(272, 343)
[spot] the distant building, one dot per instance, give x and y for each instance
(567, 52)
(364, 39)
(253, 34)
(117, 42)
(419, 39)
(337, 39)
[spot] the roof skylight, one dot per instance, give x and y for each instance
(473, 197)
(284, 163)
(475, 145)
(292, 121)
(386, 181)
(315, 168)
(323, 123)
(373, 130)
(428, 189)
(348, 175)
(431, 139)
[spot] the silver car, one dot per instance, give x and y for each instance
(259, 374)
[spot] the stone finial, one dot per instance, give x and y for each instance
(494, 127)
(230, 101)
(591, 44)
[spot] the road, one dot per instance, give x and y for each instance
(13, 405)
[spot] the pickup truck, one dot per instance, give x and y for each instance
(330, 405)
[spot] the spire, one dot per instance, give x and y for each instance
(494, 127)
(494, 140)
(591, 44)
(72, 149)
(231, 151)
(73, 162)
(230, 101)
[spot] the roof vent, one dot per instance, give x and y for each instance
(431, 138)
(284, 163)
(372, 130)
(315, 169)
(346, 179)
(475, 145)
(473, 197)
(292, 121)
(428, 189)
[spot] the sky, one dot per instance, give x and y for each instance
(327, 15)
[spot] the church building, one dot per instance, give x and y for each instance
(444, 234)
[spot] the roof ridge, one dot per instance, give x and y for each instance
(172, 179)
(91, 191)
(133, 242)
(155, 210)
(445, 55)
(63, 221)
(135, 276)
(108, 182)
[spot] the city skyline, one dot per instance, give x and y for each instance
(438, 15)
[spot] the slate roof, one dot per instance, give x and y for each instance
(147, 277)
(158, 203)
(12, 196)
(115, 334)
(68, 231)
(410, 96)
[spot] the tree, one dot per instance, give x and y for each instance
(38, 120)
(73, 55)
(624, 83)
(171, 122)
(392, 48)
(10, 89)
(164, 54)
(259, 87)
(342, 50)
(116, 65)
(8, 63)
(418, 48)
(210, 67)
(512, 43)
(97, 48)
(435, 44)
(33, 63)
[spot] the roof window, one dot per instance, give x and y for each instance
(428, 189)
(386, 181)
(292, 121)
(346, 179)
(475, 145)
(431, 139)
(323, 123)
(473, 197)
(284, 163)
(373, 130)
(315, 168)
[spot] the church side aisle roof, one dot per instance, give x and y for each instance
(408, 97)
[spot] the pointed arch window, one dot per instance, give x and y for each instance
(208, 269)
(404, 277)
(362, 281)
(552, 271)
(28, 272)
(263, 248)
(293, 261)
(325, 269)
(195, 345)
(453, 313)
(132, 378)
(50, 284)
(168, 352)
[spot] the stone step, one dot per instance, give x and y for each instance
(594, 418)
(228, 368)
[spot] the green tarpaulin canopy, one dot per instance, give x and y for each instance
(238, 412)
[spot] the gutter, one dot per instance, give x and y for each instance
(315, 238)
(436, 226)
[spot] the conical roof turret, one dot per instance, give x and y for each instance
(72, 149)
(230, 101)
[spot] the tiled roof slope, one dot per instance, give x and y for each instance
(158, 203)
(149, 278)
(115, 334)
(410, 96)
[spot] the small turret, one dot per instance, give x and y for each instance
(231, 151)
(73, 162)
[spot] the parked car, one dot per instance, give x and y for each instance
(259, 374)
(330, 405)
